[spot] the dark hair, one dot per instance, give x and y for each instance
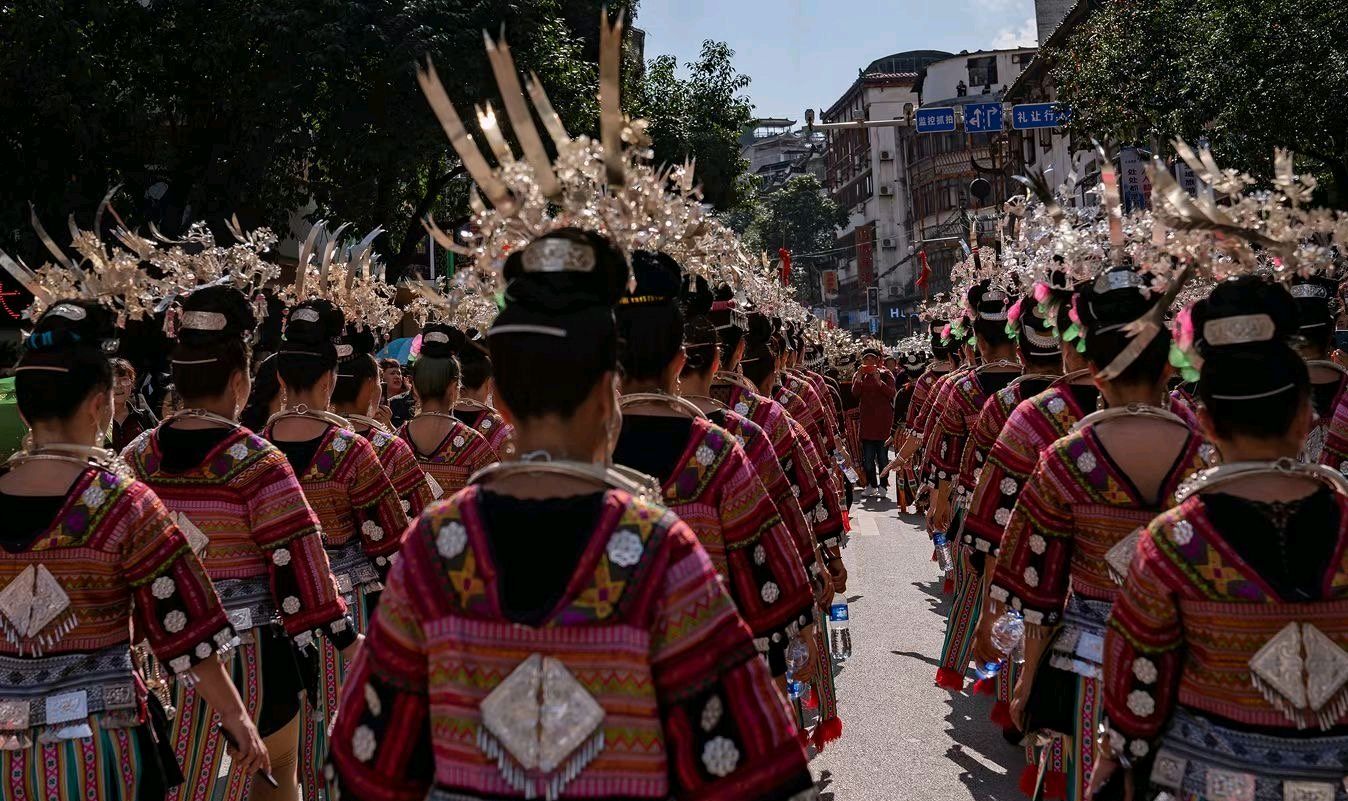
(991, 306)
(437, 368)
(538, 372)
(1252, 389)
(474, 359)
(121, 367)
(650, 322)
(1105, 307)
(355, 364)
(266, 386)
(939, 350)
(700, 340)
(205, 355)
(728, 318)
(309, 346)
(390, 364)
(1316, 299)
(761, 349)
(65, 360)
(1034, 337)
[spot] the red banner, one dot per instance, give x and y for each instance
(785, 256)
(924, 271)
(866, 255)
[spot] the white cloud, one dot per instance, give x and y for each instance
(1027, 35)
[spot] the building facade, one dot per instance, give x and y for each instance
(865, 173)
(777, 151)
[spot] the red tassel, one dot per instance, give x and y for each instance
(847, 522)
(1029, 779)
(1001, 715)
(949, 679)
(809, 701)
(1055, 786)
(827, 731)
(949, 585)
(984, 687)
(803, 737)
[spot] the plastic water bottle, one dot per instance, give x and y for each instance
(944, 557)
(1008, 637)
(839, 638)
(797, 655)
(846, 468)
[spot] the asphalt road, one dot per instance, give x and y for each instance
(904, 737)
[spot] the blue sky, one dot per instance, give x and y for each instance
(805, 53)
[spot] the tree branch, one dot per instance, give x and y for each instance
(414, 233)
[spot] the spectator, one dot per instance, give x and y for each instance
(397, 392)
(130, 416)
(873, 386)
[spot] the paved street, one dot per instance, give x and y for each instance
(904, 737)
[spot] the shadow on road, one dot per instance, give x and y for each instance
(974, 735)
(919, 657)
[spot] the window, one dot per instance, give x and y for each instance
(983, 71)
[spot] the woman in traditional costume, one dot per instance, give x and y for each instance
(1316, 298)
(1224, 661)
(356, 397)
(706, 477)
(237, 499)
(360, 511)
(615, 612)
(1089, 491)
(474, 405)
(90, 554)
(448, 449)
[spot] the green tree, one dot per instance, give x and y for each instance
(1249, 76)
(698, 116)
(802, 218)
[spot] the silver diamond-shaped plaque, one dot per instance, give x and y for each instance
(541, 714)
(1280, 666)
(196, 538)
(1326, 666)
(32, 600)
(1121, 556)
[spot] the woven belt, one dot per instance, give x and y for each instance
(249, 604)
(1078, 646)
(1200, 758)
(65, 689)
(353, 571)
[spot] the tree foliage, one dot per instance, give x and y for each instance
(800, 217)
(201, 109)
(701, 115)
(1248, 76)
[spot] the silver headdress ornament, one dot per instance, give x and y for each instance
(349, 274)
(609, 186)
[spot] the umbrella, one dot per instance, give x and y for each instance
(401, 349)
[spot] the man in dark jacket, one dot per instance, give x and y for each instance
(873, 387)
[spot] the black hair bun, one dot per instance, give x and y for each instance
(1271, 311)
(1119, 296)
(989, 302)
(697, 296)
(357, 340)
(313, 324)
(761, 328)
(441, 341)
(566, 270)
(73, 324)
(658, 277)
(215, 314)
(1317, 301)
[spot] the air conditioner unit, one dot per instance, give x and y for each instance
(893, 290)
(889, 244)
(886, 155)
(886, 190)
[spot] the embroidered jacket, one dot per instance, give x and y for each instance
(356, 504)
(714, 490)
(402, 469)
(112, 561)
(493, 427)
(1076, 506)
(260, 532)
(812, 485)
(646, 633)
(767, 466)
(917, 404)
(1032, 426)
(952, 425)
(1196, 626)
(938, 400)
(454, 460)
(1327, 443)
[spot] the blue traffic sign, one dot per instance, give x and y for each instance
(1028, 116)
(935, 120)
(982, 117)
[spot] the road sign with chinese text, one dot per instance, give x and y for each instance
(935, 120)
(982, 117)
(1028, 116)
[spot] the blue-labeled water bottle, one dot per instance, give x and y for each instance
(797, 655)
(1008, 637)
(944, 557)
(847, 470)
(839, 637)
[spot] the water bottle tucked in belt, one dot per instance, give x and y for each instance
(1008, 637)
(797, 655)
(839, 637)
(944, 556)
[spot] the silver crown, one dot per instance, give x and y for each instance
(203, 321)
(1239, 330)
(1118, 279)
(558, 256)
(1309, 291)
(69, 311)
